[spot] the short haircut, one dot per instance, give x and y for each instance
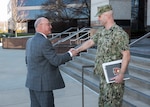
(36, 23)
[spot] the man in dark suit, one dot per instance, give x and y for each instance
(42, 64)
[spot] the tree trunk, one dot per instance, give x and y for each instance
(16, 33)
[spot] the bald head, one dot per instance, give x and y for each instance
(43, 25)
(38, 21)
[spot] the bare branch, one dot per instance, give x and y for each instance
(18, 14)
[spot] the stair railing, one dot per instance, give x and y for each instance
(79, 39)
(68, 32)
(83, 30)
(141, 38)
(83, 67)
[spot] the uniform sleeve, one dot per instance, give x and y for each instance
(123, 41)
(96, 36)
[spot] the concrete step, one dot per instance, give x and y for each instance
(141, 48)
(137, 91)
(88, 56)
(142, 51)
(139, 84)
(139, 72)
(140, 61)
(127, 104)
(92, 51)
(136, 98)
(78, 62)
(77, 65)
(90, 80)
(84, 61)
(129, 101)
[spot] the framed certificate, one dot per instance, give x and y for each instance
(111, 69)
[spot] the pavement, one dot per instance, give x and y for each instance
(13, 92)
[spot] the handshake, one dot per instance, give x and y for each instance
(73, 52)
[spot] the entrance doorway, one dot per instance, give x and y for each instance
(138, 18)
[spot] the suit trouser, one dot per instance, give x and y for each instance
(41, 98)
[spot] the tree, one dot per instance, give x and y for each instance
(60, 10)
(18, 14)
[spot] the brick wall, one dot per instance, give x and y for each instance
(14, 43)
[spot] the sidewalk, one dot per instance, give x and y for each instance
(13, 92)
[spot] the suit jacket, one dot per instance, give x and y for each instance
(43, 64)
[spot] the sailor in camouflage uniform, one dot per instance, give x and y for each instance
(112, 44)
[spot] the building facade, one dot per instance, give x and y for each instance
(66, 13)
(132, 14)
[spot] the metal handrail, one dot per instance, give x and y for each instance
(141, 38)
(83, 67)
(64, 32)
(52, 35)
(84, 39)
(72, 35)
(79, 38)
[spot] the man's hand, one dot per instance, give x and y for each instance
(118, 78)
(73, 52)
